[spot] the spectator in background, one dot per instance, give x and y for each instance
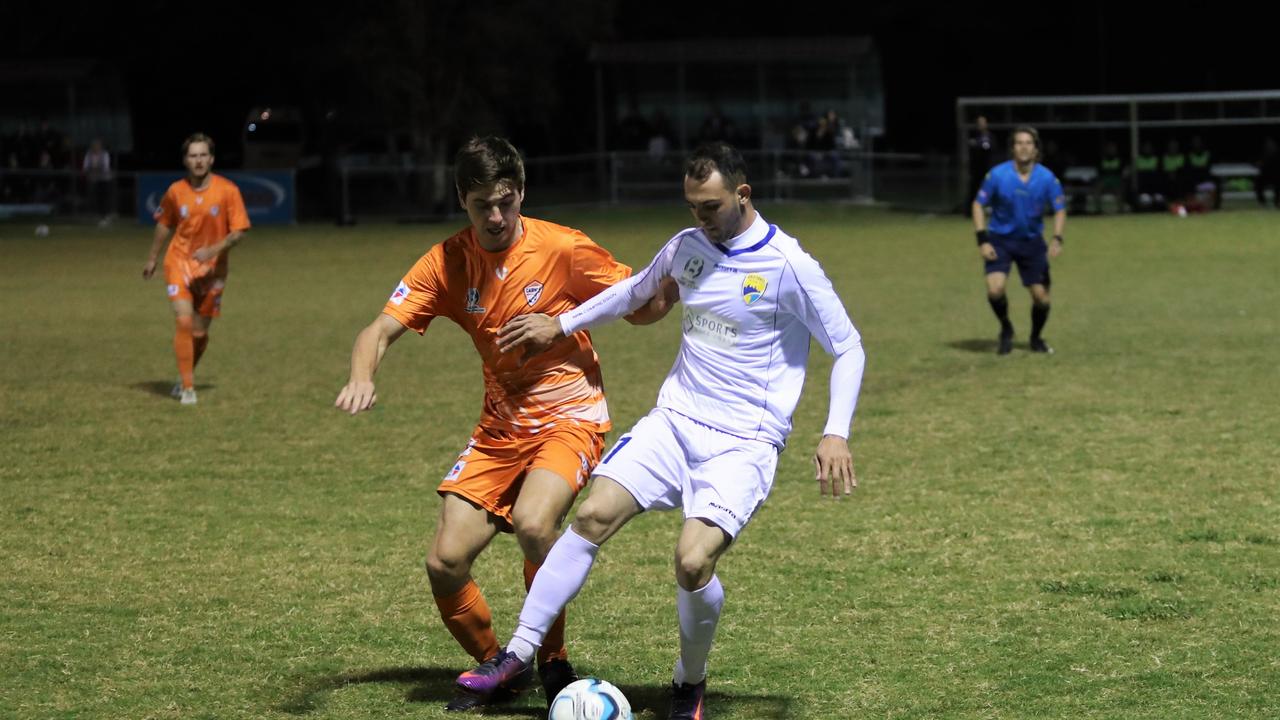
(97, 174)
(661, 137)
(1172, 165)
(1268, 173)
(982, 157)
(717, 127)
(1199, 171)
(1150, 183)
(1111, 176)
(633, 130)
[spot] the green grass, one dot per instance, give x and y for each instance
(1094, 534)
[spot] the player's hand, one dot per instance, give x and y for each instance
(834, 465)
(149, 269)
(205, 254)
(1055, 248)
(356, 396)
(988, 251)
(535, 331)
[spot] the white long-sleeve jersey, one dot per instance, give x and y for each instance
(749, 308)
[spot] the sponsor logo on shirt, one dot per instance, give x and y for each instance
(473, 301)
(214, 211)
(710, 328)
(501, 273)
(532, 292)
(401, 292)
(172, 289)
(184, 211)
(455, 471)
(753, 287)
(692, 270)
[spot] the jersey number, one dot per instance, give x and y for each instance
(621, 442)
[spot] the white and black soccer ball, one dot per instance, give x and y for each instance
(590, 699)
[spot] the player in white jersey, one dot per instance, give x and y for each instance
(752, 300)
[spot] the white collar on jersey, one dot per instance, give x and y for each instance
(755, 236)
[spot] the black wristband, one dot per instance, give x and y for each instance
(1059, 239)
(983, 239)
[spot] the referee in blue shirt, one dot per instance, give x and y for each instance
(1018, 191)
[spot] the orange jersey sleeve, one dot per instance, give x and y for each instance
(420, 296)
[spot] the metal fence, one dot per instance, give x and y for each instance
(917, 182)
(364, 191)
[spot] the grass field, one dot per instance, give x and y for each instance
(1094, 534)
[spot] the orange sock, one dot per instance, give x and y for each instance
(184, 348)
(200, 341)
(553, 647)
(467, 616)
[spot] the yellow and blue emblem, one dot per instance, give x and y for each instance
(753, 288)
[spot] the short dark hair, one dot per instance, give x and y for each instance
(485, 161)
(713, 156)
(195, 138)
(1024, 129)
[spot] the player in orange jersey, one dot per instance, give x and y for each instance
(542, 426)
(204, 215)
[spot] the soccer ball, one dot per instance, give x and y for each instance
(590, 699)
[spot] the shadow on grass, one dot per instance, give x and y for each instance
(435, 686)
(164, 387)
(974, 345)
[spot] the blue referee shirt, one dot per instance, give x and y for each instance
(1017, 207)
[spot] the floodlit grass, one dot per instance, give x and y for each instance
(1094, 534)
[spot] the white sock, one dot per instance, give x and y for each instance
(558, 581)
(699, 612)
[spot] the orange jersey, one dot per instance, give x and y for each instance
(200, 218)
(551, 269)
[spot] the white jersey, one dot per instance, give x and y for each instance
(749, 308)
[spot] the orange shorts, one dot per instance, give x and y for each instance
(204, 293)
(490, 471)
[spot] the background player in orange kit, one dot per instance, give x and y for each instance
(541, 429)
(205, 216)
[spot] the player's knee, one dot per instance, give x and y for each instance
(184, 322)
(593, 522)
(534, 533)
(693, 569)
(443, 569)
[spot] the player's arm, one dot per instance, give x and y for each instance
(537, 332)
(658, 306)
(1059, 224)
(833, 463)
(978, 210)
(1059, 204)
(158, 240)
(209, 252)
(371, 344)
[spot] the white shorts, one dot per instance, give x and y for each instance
(669, 461)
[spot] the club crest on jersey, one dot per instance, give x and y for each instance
(184, 211)
(753, 287)
(214, 211)
(473, 301)
(692, 270)
(532, 292)
(401, 292)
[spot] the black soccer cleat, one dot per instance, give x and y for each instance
(1040, 346)
(555, 675)
(687, 701)
(1005, 341)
